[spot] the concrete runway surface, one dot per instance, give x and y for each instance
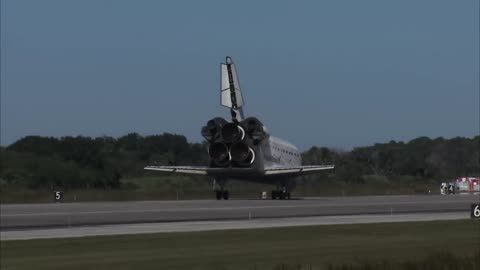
(30, 216)
(193, 226)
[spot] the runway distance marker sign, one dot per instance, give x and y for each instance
(58, 196)
(475, 211)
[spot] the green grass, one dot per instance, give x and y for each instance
(435, 261)
(166, 187)
(343, 246)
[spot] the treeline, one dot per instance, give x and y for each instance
(83, 162)
(421, 158)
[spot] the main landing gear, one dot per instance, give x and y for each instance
(280, 195)
(218, 187)
(222, 194)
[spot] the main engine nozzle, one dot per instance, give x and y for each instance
(219, 153)
(254, 128)
(232, 133)
(213, 128)
(242, 154)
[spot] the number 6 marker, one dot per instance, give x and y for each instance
(475, 211)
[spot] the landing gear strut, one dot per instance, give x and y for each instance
(220, 193)
(280, 194)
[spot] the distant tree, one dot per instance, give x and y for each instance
(85, 162)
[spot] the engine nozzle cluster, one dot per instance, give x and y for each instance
(232, 144)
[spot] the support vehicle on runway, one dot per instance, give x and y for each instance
(243, 149)
(467, 184)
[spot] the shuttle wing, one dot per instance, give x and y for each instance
(179, 169)
(298, 170)
(232, 172)
(200, 170)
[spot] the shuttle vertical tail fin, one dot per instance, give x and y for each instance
(230, 93)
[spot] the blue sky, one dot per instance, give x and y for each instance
(327, 73)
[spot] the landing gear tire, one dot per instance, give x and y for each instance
(222, 195)
(274, 194)
(225, 195)
(285, 196)
(280, 195)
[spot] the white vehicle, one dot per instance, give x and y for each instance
(443, 188)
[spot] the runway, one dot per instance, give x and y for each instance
(195, 226)
(57, 215)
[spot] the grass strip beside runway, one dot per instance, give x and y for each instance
(184, 188)
(314, 246)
